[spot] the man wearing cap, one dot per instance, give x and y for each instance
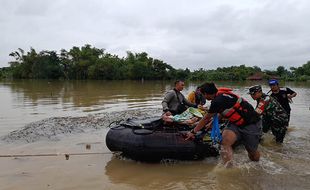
(244, 123)
(174, 101)
(274, 116)
(282, 95)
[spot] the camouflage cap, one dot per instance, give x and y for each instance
(255, 88)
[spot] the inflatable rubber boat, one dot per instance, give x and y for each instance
(151, 140)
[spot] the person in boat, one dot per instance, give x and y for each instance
(283, 95)
(196, 97)
(174, 101)
(244, 123)
(274, 116)
(188, 117)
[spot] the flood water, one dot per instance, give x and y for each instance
(31, 107)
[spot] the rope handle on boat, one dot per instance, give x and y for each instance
(148, 130)
(117, 122)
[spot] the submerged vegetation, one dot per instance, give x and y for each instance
(88, 62)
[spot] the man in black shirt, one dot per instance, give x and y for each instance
(244, 123)
(282, 95)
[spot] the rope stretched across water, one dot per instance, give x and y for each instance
(53, 154)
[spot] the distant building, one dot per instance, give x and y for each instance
(273, 77)
(256, 76)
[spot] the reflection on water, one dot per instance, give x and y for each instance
(281, 166)
(85, 93)
(32, 100)
(170, 175)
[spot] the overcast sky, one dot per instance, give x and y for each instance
(194, 34)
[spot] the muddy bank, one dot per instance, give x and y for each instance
(52, 128)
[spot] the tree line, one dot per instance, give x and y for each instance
(87, 62)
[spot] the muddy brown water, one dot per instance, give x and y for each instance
(58, 118)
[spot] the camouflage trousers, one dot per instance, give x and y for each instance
(277, 130)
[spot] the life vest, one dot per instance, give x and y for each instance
(233, 113)
(242, 113)
(222, 90)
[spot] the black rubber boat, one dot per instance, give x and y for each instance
(150, 140)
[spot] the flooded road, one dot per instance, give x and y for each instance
(57, 118)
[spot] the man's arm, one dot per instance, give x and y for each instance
(205, 120)
(168, 97)
(290, 93)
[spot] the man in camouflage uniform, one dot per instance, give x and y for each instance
(283, 95)
(274, 116)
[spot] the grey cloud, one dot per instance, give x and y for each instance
(33, 8)
(198, 34)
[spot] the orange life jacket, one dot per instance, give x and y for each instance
(224, 90)
(238, 114)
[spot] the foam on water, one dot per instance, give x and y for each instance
(53, 128)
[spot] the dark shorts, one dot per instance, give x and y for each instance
(248, 135)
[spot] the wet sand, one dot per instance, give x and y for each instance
(43, 147)
(56, 172)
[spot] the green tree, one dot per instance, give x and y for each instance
(47, 66)
(88, 62)
(301, 73)
(81, 59)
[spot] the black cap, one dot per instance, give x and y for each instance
(254, 89)
(208, 88)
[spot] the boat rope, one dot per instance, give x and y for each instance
(216, 136)
(117, 122)
(53, 154)
(136, 129)
(140, 129)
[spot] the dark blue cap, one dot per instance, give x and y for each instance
(273, 82)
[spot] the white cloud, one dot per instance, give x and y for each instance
(193, 34)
